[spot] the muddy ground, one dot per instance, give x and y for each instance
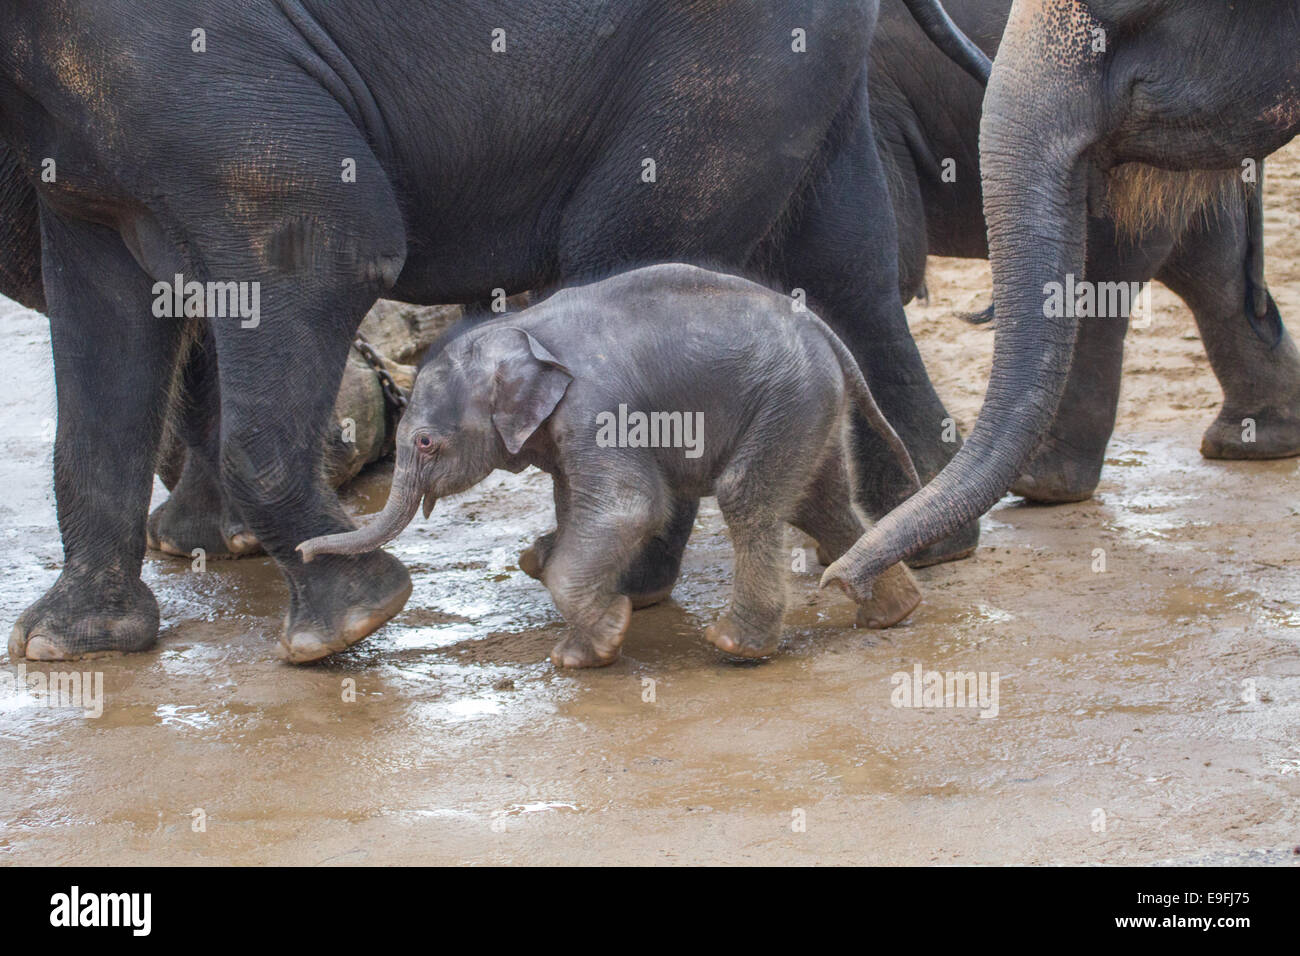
(1146, 714)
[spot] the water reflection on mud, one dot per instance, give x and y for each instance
(1162, 692)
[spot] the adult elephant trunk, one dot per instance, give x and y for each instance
(403, 501)
(1040, 118)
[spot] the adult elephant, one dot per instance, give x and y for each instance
(292, 151)
(926, 115)
(1152, 108)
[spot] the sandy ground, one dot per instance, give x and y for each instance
(1146, 714)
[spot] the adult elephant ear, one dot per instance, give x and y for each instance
(528, 384)
(948, 37)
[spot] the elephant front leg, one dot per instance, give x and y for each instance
(199, 515)
(654, 571)
(598, 623)
(1067, 466)
(591, 551)
(1260, 418)
(113, 365)
(278, 383)
(532, 560)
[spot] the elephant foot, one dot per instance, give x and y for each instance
(953, 548)
(894, 596)
(340, 601)
(731, 637)
(532, 560)
(183, 523)
(1254, 436)
(86, 616)
(578, 651)
(598, 646)
(1058, 475)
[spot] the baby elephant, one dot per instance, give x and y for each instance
(661, 384)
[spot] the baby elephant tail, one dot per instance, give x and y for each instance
(866, 405)
(841, 571)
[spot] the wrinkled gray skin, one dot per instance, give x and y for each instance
(1184, 86)
(331, 154)
(1209, 262)
(775, 387)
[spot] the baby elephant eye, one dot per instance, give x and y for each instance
(424, 442)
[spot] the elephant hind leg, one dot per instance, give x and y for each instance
(751, 626)
(199, 514)
(1260, 417)
(758, 492)
(654, 572)
(842, 250)
(313, 258)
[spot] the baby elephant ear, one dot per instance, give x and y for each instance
(530, 382)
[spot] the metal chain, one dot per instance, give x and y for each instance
(393, 394)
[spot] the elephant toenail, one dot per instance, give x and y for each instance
(243, 542)
(304, 647)
(41, 648)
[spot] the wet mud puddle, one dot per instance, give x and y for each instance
(1146, 711)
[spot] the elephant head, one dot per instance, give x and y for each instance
(1147, 109)
(474, 405)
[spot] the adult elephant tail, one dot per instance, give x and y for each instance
(948, 37)
(20, 235)
(1261, 310)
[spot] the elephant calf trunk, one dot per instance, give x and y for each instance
(360, 541)
(403, 502)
